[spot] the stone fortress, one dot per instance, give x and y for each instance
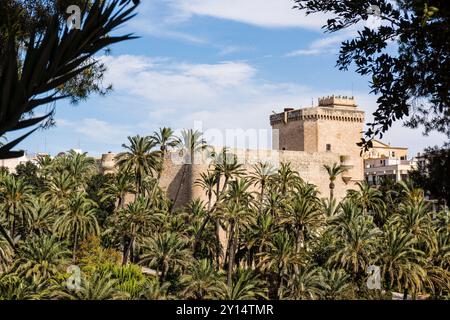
(308, 138)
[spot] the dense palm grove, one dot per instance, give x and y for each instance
(263, 234)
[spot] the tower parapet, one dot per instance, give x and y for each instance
(107, 163)
(335, 125)
(334, 108)
(337, 101)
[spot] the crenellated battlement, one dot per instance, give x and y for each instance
(337, 101)
(319, 113)
(335, 126)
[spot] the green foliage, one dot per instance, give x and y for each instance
(42, 61)
(433, 175)
(407, 57)
(260, 234)
(29, 173)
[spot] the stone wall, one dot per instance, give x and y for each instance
(335, 126)
(180, 178)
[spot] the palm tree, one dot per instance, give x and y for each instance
(15, 287)
(259, 236)
(245, 286)
(133, 223)
(229, 167)
(80, 166)
(118, 189)
(207, 181)
(42, 215)
(371, 201)
(166, 252)
(201, 281)
(401, 263)
(355, 246)
(334, 284)
(44, 163)
(78, 220)
(329, 207)
(191, 143)
(276, 203)
(140, 159)
(59, 187)
(333, 172)
(237, 216)
(286, 178)
(6, 254)
(165, 140)
(154, 290)
(129, 279)
(415, 218)
(306, 285)
(280, 259)
(304, 217)
(16, 200)
(263, 172)
(100, 286)
(40, 258)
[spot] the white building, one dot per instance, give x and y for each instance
(386, 162)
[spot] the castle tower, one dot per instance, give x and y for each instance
(335, 125)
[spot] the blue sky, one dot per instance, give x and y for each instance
(226, 64)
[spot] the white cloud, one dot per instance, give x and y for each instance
(224, 95)
(166, 18)
(262, 13)
(324, 45)
(143, 25)
(97, 130)
(159, 19)
(189, 86)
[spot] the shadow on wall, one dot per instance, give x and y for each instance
(180, 188)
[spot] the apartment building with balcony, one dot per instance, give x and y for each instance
(384, 161)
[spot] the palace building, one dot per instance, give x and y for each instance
(307, 138)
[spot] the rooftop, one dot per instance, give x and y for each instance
(333, 107)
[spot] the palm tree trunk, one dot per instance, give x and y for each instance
(405, 294)
(75, 238)
(163, 274)
(132, 251)
(218, 188)
(200, 232)
(126, 248)
(10, 240)
(261, 198)
(218, 243)
(121, 201)
(138, 184)
(224, 185)
(230, 253)
(331, 191)
(24, 225)
(160, 169)
(13, 226)
(209, 200)
(279, 280)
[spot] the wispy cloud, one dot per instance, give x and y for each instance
(223, 95)
(321, 46)
(267, 13)
(158, 18)
(167, 18)
(97, 130)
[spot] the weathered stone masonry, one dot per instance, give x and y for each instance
(308, 138)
